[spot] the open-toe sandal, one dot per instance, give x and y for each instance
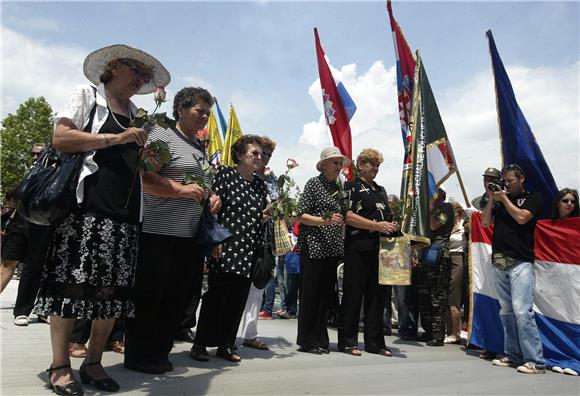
(353, 351)
(227, 354)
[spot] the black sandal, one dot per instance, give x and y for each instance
(105, 384)
(71, 389)
(228, 355)
(353, 351)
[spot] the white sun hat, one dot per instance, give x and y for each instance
(97, 61)
(332, 152)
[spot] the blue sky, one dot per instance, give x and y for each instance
(260, 56)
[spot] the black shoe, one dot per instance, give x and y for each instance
(387, 332)
(105, 384)
(424, 337)
(149, 368)
(315, 351)
(324, 351)
(70, 389)
(435, 343)
(408, 337)
(199, 353)
(185, 335)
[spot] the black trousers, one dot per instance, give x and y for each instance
(433, 287)
(38, 243)
(189, 316)
(222, 307)
(163, 289)
(82, 331)
(361, 279)
(317, 296)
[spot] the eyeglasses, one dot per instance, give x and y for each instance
(35, 154)
(267, 155)
(569, 201)
(256, 154)
(143, 75)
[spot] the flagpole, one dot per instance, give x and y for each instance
(462, 187)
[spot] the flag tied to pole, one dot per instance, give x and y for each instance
(215, 146)
(518, 143)
(336, 101)
(432, 160)
(233, 134)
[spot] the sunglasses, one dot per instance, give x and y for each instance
(138, 70)
(569, 201)
(266, 154)
(35, 154)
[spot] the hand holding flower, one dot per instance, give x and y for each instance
(215, 204)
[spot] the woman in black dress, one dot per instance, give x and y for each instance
(243, 196)
(90, 268)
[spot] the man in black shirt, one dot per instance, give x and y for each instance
(514, 220)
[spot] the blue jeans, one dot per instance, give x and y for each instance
(515, 289)
(270, 291)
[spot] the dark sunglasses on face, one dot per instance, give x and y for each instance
(569, 201)
(139, 72)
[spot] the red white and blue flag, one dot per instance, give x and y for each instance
(338, 106)
(405, 72)
(556, 295)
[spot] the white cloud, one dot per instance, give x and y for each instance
(34, 69)
(34, 23)
(547, 96)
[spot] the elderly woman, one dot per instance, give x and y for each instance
(90, 269)
(243, 196)
(170, 266)
(321, 245)
(249, 328)
(368, 217)
(565, 204)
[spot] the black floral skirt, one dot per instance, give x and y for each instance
(90, 269)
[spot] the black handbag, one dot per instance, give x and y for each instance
(262, 267)
(210, 232)
(48, 191)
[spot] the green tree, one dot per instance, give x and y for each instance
(31, 124)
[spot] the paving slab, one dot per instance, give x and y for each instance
(415, 369)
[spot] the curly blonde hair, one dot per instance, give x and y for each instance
(369, 155)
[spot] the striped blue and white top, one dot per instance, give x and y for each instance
(175, 216)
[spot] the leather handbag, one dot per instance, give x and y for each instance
(210, 232)
(48, 191)
(262, 267)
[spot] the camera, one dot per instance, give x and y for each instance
(497, 184)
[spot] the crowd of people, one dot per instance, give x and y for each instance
(124, 270)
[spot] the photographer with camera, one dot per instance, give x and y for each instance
(514, 219)
(490, 175)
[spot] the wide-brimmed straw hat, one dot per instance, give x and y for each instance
(97, 61)
(332, 152)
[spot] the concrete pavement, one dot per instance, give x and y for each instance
(413, 370)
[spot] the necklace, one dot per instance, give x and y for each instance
(113, 114)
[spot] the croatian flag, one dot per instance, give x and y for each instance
(556, 295)
(338, 106)
(405, 73)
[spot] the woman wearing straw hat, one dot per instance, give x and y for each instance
(321, 245)
(90, 268)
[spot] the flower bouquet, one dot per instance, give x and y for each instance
(283, 208)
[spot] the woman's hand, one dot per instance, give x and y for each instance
(216, 252)
(386, 227)
(215, 204)
(132, 134)
(193, 191)
(334, 220)
(266, 216)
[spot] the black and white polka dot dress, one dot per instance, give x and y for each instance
(242, 204)
(320, 196)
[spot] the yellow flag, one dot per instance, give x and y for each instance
(215, 146)
(233, 133)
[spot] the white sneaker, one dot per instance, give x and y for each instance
(531, 368)
(503, 362)
(21, 320)
(463, 335)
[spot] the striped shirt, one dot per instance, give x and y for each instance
(175, 216)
